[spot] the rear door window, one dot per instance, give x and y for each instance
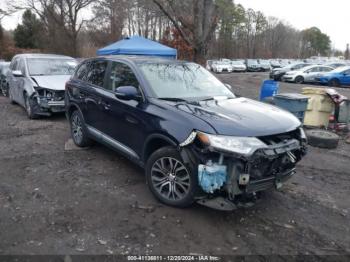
(82, 71)
(121, 75)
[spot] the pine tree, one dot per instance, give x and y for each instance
(27, 34)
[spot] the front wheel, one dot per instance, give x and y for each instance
(299, 80)
(78, 130)
(29, 106)
(171, 180)
(10, 96)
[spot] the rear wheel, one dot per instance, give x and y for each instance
(78, 130)
(334, 83)
(171, 180)
(299, 80)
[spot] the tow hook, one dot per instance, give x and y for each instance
(243, 179)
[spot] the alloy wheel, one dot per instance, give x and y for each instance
(28, 107)
(77, 129)
(170, 178)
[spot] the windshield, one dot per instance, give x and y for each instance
(183, 81)
(223, 63)
(237, 62)
(50, 66)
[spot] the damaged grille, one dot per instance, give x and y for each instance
(281, 156)
(276, 139)
(51, 94)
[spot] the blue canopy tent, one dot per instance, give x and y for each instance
(137, 45)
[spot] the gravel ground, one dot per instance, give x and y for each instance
(57, 199)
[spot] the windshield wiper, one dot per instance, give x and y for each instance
(179, 100)
(215, 98)
(173, 99)
(207, 99)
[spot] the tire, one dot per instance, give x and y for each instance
(323, 139)
(160, 178)
(270, 100)
(334, 82)
(4, 91)
(10, 97)
(29, 107)
(78, 129)
(299, 80)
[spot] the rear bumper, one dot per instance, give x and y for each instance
(254, 69)
(276, 76)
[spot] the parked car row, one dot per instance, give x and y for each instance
(264, 65)
(196, 140)
(333, 74)
(228, 66)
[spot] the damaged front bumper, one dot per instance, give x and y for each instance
(47, 102)
(230, 180)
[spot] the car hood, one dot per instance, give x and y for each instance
(282, 69)
(55, 82)
(242, 117)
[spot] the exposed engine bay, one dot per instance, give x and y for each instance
(46, 101)
(227, 178)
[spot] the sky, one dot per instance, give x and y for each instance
(331, 16)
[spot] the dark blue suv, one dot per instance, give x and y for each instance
(195, 139)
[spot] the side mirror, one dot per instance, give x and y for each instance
(127, 93)
(17, 73)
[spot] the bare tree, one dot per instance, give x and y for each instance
(64, 14)
(110, 17)
(196, 20)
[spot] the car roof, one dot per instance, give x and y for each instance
(313, 66)
(342, 68)
(142, 59)
(34, 55)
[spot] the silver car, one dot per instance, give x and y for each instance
(37, 82)
(238, 66)
(306, 74)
